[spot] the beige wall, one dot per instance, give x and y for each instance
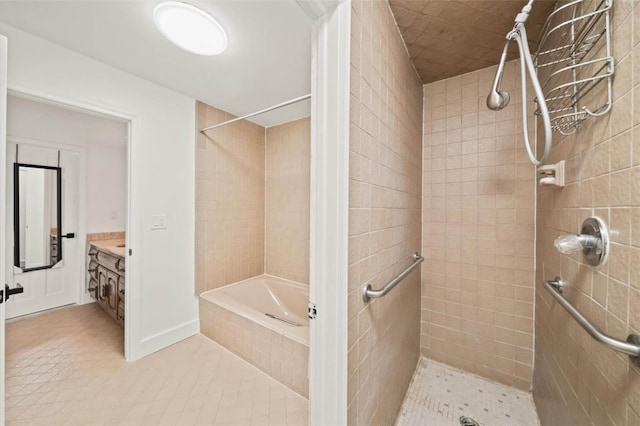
(577, 380)
(287, 200)
(229, 200)
(384, 215)
(478, 230)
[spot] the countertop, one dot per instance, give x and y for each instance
(110, 246)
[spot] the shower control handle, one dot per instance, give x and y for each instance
(592, 241)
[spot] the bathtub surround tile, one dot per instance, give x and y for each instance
(252, 217)
(287, 208)
(67, 367)
(384, 212)
(478, 237)
(278, 356)
(229, 200)
(252, 200)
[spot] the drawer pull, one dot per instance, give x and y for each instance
(112, 307)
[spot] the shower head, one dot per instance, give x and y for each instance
(498, 99)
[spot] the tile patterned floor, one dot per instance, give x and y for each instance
(439, 395)
(66, 367)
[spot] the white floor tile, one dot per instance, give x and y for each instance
(440, 395)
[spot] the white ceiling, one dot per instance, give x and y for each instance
(268, 60)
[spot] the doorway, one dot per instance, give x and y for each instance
(67, 216)
(89, 152)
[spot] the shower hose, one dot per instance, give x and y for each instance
(519, 34)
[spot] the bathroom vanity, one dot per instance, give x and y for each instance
(106, 276)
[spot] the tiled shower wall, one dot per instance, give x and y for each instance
(576, 379)
(478, 230)
(229, 200)
(287, 200)
(384, 214)
(252, 200)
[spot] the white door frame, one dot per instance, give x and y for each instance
(3, 173)
(331, 65)
(132, 234)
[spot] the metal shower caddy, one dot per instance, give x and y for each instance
(574, 57)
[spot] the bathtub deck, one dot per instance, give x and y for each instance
(258, 297)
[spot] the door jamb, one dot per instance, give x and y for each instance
(3, 171)
(331, 65)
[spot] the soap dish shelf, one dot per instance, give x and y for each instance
(574, 69)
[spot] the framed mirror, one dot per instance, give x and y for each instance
(37, 216)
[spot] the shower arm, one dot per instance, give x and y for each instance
(498, 99)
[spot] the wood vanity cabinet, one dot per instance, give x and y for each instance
(106, 282)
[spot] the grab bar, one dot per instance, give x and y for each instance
(368, 293)
(631, 347)
(288, 321)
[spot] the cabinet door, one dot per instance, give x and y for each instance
(112, 294)
(103, 285)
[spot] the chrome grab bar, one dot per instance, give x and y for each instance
(368, 293)
(631, 347)
(288, 321)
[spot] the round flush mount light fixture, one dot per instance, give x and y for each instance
(190, 28)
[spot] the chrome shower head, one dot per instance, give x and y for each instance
(498, 99)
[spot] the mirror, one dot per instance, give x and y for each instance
(37, 218)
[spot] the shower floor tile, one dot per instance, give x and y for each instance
(439, 395)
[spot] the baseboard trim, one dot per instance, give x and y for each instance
(86, 298)
(159, 341)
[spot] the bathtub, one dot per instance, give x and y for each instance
(264, 321)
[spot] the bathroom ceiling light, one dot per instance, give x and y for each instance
(190, 28)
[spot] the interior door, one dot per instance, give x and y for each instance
(49, 287)
(3, 234)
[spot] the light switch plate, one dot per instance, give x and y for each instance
(158, 221)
